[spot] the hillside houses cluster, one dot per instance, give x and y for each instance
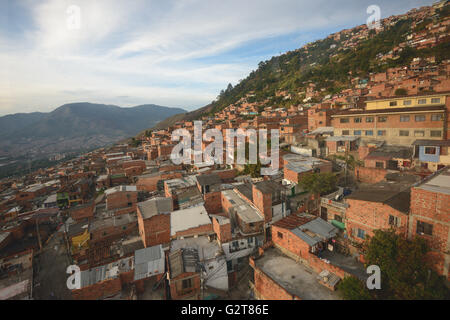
(141, 227)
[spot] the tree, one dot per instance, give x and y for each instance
(406, 270)
(318, 183)
(400, 92)
(352, 288)
(135, 142)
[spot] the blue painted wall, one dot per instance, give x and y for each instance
(429, 157)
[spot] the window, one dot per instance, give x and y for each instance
(424, 228)
(357, 132)
(357, 120)
(369, 133)
(394, 221)
(382, 119)
(392, 103)
(435, 100)
(280, 235)
(130, 204)
(379, 164)
(381, 132)
(407, 102)
(345, 132)
(404, 133)
(430, 150)
(229, 266)
(361, 234)
(344, 120)
(435, 133)
(419, 133)
(422, 101)
(404, 118)
(337, 218)
(187, 283)
(420, 118)
(369, 119)
(436, 117)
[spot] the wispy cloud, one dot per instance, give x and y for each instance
(176, 53)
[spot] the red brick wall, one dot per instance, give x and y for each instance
(263, 202)
(226, 175)
(176, 289)
(133, 171)
(223, 231)
(370, 216)
(267, 289)
(121, 200)
(432, 208)
(290, 175)
(370, 175)
(155, 230)
(203, 229)
(213, 203)
(247, 228)
(149, 183)
(98, 290)
(80, 213)
(113, 231)
(372, 163)
(363, 151)
(289, 242)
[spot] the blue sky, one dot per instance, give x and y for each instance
(172, 53)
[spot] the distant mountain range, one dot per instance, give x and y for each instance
(75, 126)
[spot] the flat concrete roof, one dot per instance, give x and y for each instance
(294, 277)
(439, 183)
(185, 219)
(180, 183)
(120, 188)
(119, 220)
(246, 213)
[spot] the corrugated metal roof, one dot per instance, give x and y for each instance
(315, 231)
(155, 206)
(147, 254)
(91, 276)
(148, 262)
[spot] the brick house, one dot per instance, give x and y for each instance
(82, 211)
(154, 221)
(184, 274)
(429, 217)
(209, 186)
(383, 205)
(123, 198)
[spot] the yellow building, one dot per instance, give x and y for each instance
(407, 102)
(81, 241)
